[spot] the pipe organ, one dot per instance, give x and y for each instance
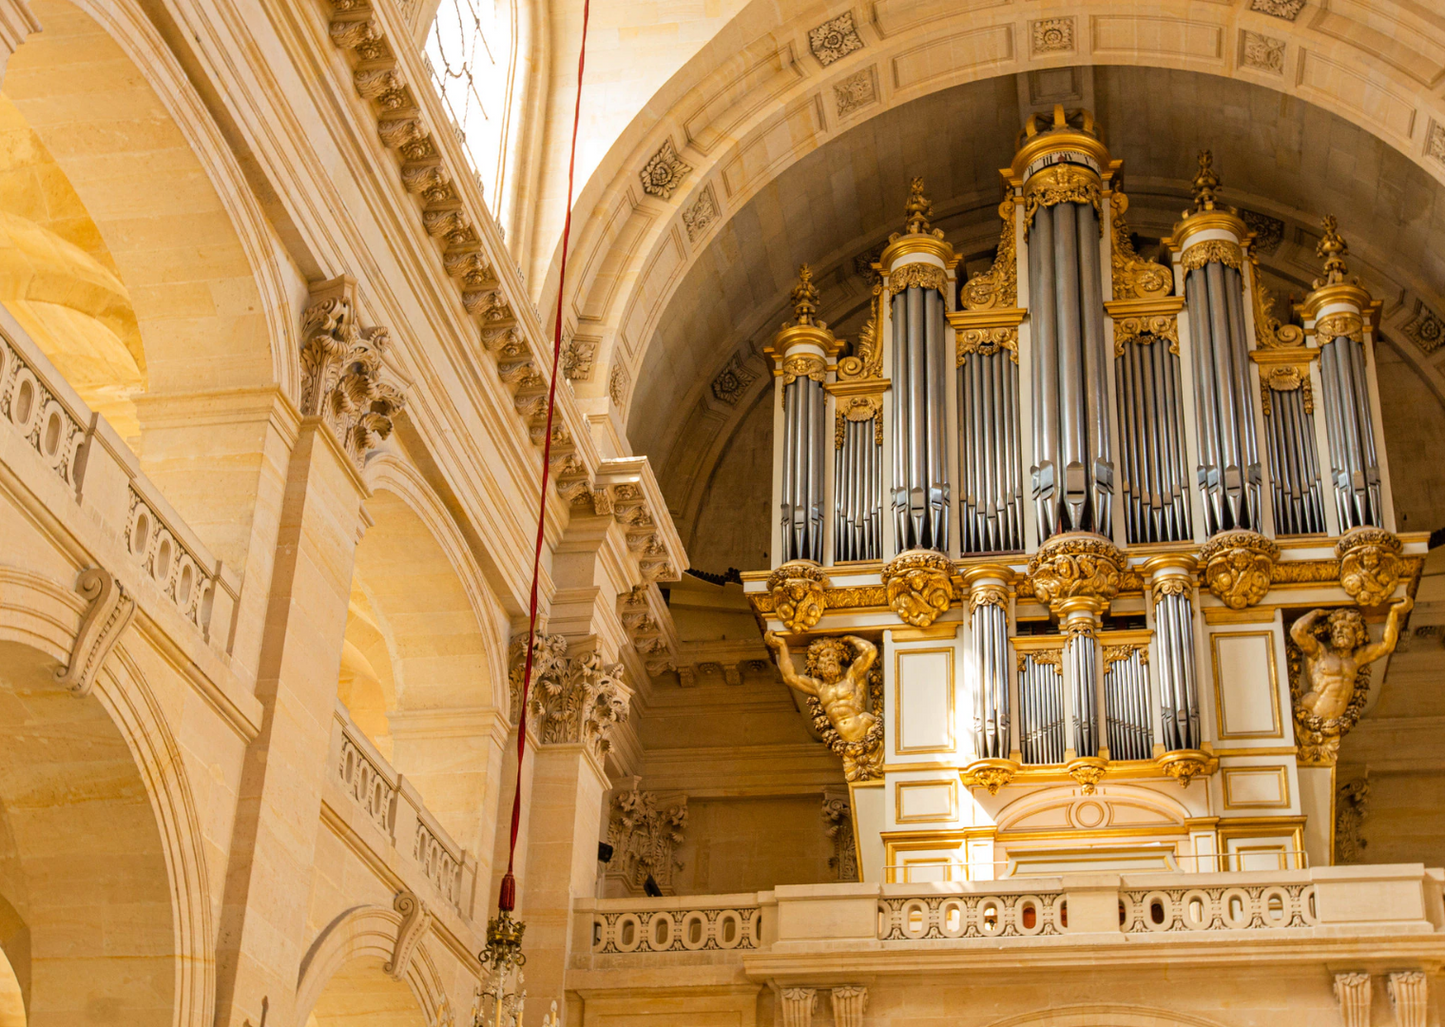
(1132, 658)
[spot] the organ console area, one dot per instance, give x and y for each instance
(1088, 561)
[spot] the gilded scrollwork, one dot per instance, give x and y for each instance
(1145, 328)
(858, 408)
(1076, 565)
(1134, 277)
(1347, 325)
(804, 365)
(1238, 567)
(1329, 653)
(866, 362)
(1061, 183)
(918, 586)
(917, 274)
(986, 342)
(1269, 331)
(999, 285)
(990, 594)
(797, 593)
(1370, 564)
(1211, 250)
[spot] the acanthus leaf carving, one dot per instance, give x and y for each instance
(574, 699)
(644, 830)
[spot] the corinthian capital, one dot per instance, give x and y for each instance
(344, 380)
(572, 698)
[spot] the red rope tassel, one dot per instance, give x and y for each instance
(507, 897)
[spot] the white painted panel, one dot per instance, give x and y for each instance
(925, 800)
(1246, 686)
(925, 701)
(1255, 787)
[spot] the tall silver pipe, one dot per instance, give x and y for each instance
(1043, 310)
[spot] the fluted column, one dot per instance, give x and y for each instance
(1336, 314)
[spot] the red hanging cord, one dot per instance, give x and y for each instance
(507, 898)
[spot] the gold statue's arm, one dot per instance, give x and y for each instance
(1302, 631)
(867, 655)
(1386, 645)
(785, 665)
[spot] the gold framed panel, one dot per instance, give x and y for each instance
(1282, 773)
(1277, 730)
(899, 787)
(950, 702)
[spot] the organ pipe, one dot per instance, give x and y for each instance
(858, 444)
(1059, 168)
(918, 263)
(988, 604)
(1129, 732)
(1337, 308)
(1172, 587)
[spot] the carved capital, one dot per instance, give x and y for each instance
(993, 774)
(1237, 567)
(1370, 564)
(849, 1002)
(101, 625)
(416, 920)
(918, 586)
(797, 1006)
(797, 590)
(1409, 998)
(344, 380)
(1088, 771)
(1076, 565)
(573, 699)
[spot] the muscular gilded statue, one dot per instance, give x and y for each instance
(1332, 662)
(843, 690)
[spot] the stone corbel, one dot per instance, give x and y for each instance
(1352, 990)
(649, 625)
(638, 505)
(110, 611)
(416, 921)
(798, 1006)
(849, 1002)
(1408, 998)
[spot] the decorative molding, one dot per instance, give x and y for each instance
(1268, 231)
(1052, 35)
(798, 1006)
(1261, 52)
(701, 216)
(1286, 9)
(644, 614)
(733, 381)
(344, 381)
(664, 172)
(855, 92)
(833, 40)
(101, 625)
(1409, 997)
(618, 385)
(849, 1002)
(1239, 567)
(645, 829)
(1352, 990)
(416, 921)
(578, 358)
(1352, 801)
(1435, 142)
(838, 821)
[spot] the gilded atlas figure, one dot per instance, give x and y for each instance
(1330, 693)
(838, 684)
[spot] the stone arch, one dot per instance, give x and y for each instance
(755, 100)
(175, 222)
(101, 833)
(1105, 1016)
(1120, 807)
(435, 636)
(352, 950)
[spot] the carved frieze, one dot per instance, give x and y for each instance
(1238, 567)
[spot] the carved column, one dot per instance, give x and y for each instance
(1352, 990)
(263, 917)
(577, 696)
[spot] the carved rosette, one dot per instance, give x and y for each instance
(797, 591)
(1076, 565)
(918, 586)
(1237, 567)
(1370, 564)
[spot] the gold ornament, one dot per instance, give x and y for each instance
(918, 586)
(918, 210)
(986, 342)
(1134, 277)
(1269, 332)
(999, 285)
(804, 365)
(993, 774)
(1061, 183)
(1332, 248)
(987, 595)
(1076, 565)
(1205, 184)
(797, 593)
(919, 275)
(1237, 566)
(1370, 564)
(1088, 771)
(1184, 765)
(1145, 328)
(839, 682)
(1329, 682)
(1210, 250)
(1350, 326)
(867, 359)
(858, 408)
